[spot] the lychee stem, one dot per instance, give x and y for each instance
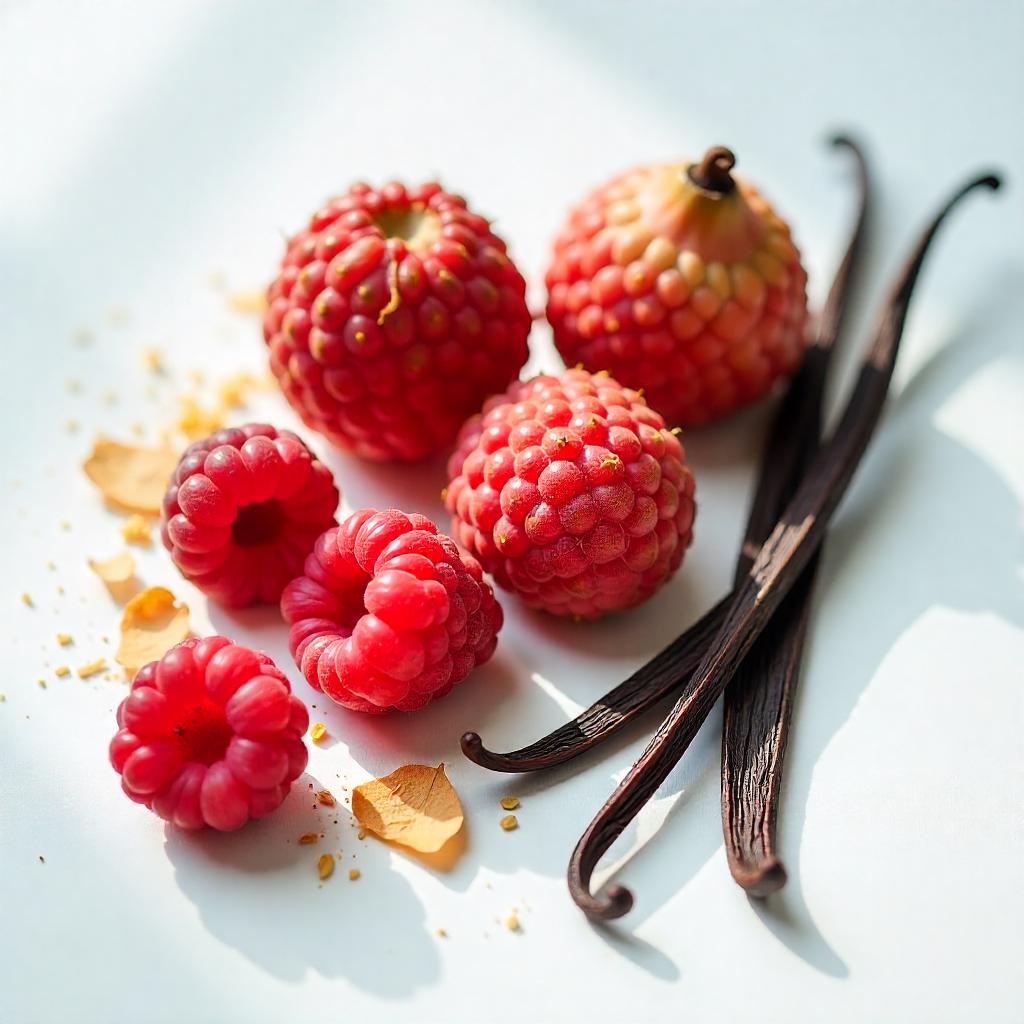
(712, 173)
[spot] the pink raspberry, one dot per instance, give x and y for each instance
(210, 734)
(242, 512)
(389, 614)
(572, 493)
(395, 314)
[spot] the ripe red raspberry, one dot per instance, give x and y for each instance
(242, 512)
(572, 493)
(681, 280)
(396, 313)
(389, 614)
(210, 734)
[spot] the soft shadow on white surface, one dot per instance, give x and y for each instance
(243, 886)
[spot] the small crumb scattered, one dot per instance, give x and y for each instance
(74, 386)
(153, 360)
(509, 803)
(308, 838)
(110, 397)
(71, 426)
(136, 529)
(51, 565)
(41, 683)
(325, 866)
(509, 822)
(83, 336)
(65, 525)
(60, 589)
(511, 922)
(196, 377)
(93, 668)
(118, 316)
(325, 797)
(361, 834)
(61, 671)
(442, 933)
(3, 698)
(26, 600)
(42, 859)
(318, 732)
(64, 639)
(353, 874)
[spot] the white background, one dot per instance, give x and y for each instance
(146, 146)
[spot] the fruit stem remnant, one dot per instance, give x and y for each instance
(712, 173)
(778, 567)
(665, 674)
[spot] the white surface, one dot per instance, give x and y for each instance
(147, 145)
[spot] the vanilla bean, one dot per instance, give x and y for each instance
(778, 566)
(758, 702)
(781, 462)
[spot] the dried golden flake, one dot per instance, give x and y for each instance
(509, 823)
(41, 683)
(64, 639)
(325, 797)
(26, 600)
(3, 698)
(442, 933)
(152, 623)
(153, 360)
(361, 834)
(93, 668)
(325, 866)
(308, 838)
(118, 574)
(509, 803)
(232, 392)
(512, 922)
(195, 421)
(61, 671)
(353, 874)
(318, 732)
(414, 806)
(253, 302)
(131, 477)
(137, 530)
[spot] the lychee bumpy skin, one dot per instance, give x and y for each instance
(242, 512)
(389, 614)
(682, 280)
(395, 314)
(572, 493)
(210, 735)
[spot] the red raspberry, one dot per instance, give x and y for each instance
(572, 493)
(242, 512)
(210, 734)
(396, 313)
(681, 280)
(389, 614)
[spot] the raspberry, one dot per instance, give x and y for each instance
(242, 511)
(572, 493)
(681, 280)
(389, 614)
(395, 314)
(210, 734)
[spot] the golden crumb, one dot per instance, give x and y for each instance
(136, 529)
(64, 639)
(93, 668)
(26, 600)
(318, 732)
(65, 525)
(195, 421)
(83, 336)
(3, 698)
(512, 922)
(71, 426)
(308, 838)
(60, 589)
(353, 874)
(61, 671)
(41, 683)
(253, 302)
(442, 933)
(153, 360)
(509, 803)
(325, 797)
(509, 822)
(325, 866)
(74, 386)
(51, 565)
(361, 834)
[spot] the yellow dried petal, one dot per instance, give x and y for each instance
(318, 732)
(414, 806)
(152, 623)
(509, 822)
(92, 669)
(118, 573)
(325, 866)
(131, 477)
(509, 803)
(137, 530)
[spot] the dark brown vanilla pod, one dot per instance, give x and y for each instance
(758, 702)
(777, 568)
(784, 453)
